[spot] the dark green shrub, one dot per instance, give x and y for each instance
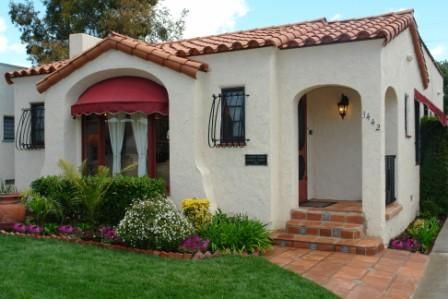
(235, 234)
(121, 193)
(434, 168)
(62, 191)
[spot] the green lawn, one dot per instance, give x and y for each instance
(48, 269)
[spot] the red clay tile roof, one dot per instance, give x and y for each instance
(296, 35)
(175, 54)
(130, 46)
(36, 70)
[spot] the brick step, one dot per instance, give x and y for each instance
(327, 216)
(325, 229)
(364, 246)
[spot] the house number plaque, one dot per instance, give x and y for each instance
(256, 160)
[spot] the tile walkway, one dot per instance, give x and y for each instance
(390, 274)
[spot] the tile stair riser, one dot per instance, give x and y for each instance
(369, 251)
(342, 217)
(325, 232)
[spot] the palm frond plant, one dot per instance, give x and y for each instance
(90, 190)
(41, 207)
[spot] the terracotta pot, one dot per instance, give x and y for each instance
(11, 209)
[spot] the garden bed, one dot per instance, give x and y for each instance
(119, 246)
(133, 214)
(420, 235)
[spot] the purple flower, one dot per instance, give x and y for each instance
(19, 228)
(194, 244)
(411, 244)
(66, 229)
(33, 229)
(108, 233)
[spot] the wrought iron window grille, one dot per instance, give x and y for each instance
(31, 128)
(226, 125)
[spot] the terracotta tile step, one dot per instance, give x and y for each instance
(318, 215)
(325, 229)
(364, 246)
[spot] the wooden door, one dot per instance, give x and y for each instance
(303, 175)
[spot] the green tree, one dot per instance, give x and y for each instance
(46, 34)
(444, 68)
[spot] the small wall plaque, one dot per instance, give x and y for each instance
(256, 160)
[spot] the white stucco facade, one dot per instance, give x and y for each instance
(6, 109)
(346, 157)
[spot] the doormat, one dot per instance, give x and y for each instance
(316, 204)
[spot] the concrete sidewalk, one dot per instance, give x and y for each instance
(434, 284)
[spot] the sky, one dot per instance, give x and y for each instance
(216, 16)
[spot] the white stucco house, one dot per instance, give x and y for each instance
(7, 126)
(272, 122)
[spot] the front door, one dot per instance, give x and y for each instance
(303, 176)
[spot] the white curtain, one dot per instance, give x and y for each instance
(140, 128)
(116, 133)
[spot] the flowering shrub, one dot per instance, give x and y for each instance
(197, 212)
(154, 223)
(19, 228)
(194, 244)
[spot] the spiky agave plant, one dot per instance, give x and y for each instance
(90, 190)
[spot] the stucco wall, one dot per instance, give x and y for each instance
(401, 73)
(28, 163)
(334, 145)
(6, 109)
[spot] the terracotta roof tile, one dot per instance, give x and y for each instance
(175, 54)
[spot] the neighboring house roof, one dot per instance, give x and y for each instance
(175, 54)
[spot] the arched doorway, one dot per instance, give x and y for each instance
(391, 130)
(330, 148)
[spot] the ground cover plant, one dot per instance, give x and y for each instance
(419, 236)
(236, 234)
(47, 269)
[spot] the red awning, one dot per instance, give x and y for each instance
(431, 106)
(123, 94)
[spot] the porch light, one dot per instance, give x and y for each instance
(343, 106)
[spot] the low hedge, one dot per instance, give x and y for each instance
(123, 191)
(434, 168)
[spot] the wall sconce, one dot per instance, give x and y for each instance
(343, 106)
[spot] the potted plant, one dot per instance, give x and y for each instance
(11, 209)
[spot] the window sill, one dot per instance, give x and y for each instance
(232, 144)
(393, 210)
(8, 140)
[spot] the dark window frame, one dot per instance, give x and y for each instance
(37, 124)
(227, 132)
(417, 126)
(7, 137)
(406, 116)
